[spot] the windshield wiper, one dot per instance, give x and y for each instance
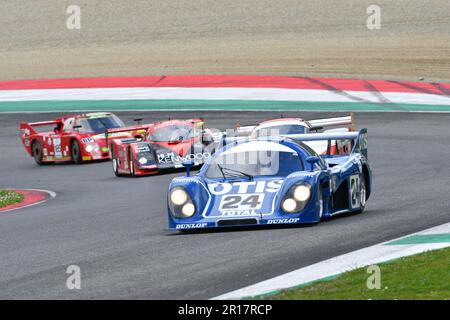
(221, 170)
(240, 173)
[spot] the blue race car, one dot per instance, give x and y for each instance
(273, 180)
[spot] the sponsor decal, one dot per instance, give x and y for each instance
(239, 213)
(27, 142)
(57, 146)
(282, 221)
(86, 158)
(25, 132)
(87, 140)
(247, 202)
(191, 225)
(304, 174)
(244, 187)
(170, 157)
(141, 148)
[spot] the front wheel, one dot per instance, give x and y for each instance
(320, 196)
(75, 151)
(132, 171)
(115, 165)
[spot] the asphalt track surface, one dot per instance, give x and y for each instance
(114, 228)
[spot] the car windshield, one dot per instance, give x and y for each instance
(280, 130)
(173, 133)
(99, 124)
(257, 158)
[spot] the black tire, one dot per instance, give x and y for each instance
(115, 166)
(131, 163)
(320, 203)
(75, 152)
(36, 150)
(114, 161)
(363, 194)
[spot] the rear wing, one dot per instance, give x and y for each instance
(347, 121)
(28, 128)
(359, 139)
(243, 131)
(113, 133)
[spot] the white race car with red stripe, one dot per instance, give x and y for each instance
(289, 127)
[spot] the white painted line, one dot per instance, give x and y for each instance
(337, 265)
(255, 94)
(52, 195)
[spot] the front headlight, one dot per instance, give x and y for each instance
(302, 193)
(91, 147)
(296, 198)
(178, 197)
(181, 204)
(142, 160)
(188, 209)
(289, 205)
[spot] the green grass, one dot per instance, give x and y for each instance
(424, 276)
(8, 197)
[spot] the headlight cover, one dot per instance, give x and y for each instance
(180, 203)
(91, 147)
(142, 160)
(296, 198)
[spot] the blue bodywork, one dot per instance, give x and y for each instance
(338, 184)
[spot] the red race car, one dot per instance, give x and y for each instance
(165, 145)
(77, 138)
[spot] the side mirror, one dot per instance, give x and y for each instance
(77, 127)
(138, 120)
(313, 160)
(188, 165)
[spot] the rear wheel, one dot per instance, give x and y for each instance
(75, 151)
(36, 149)
(362, 194)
